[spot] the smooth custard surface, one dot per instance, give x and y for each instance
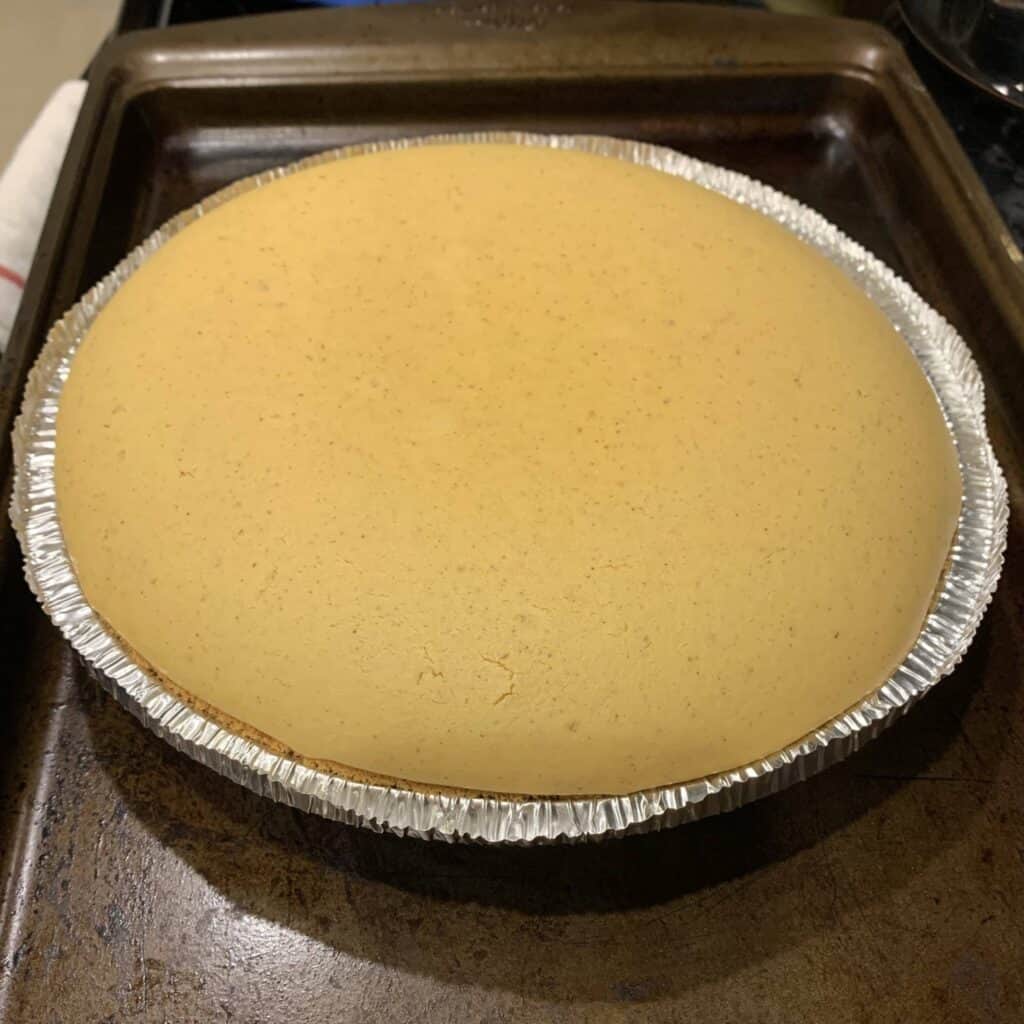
(507, 469)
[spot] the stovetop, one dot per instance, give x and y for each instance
(990, 131)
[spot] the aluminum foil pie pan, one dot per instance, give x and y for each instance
(965, 590)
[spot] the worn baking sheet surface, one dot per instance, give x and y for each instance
(143, 887)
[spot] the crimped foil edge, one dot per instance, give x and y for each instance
(966, 588)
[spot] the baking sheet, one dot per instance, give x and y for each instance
(135, 878)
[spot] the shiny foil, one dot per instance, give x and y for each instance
(966, 588)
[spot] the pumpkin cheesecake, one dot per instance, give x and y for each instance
(504, 468)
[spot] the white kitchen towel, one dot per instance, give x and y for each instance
(26, 186)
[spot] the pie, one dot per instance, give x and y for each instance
(504, 469)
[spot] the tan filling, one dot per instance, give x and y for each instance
(505, 469)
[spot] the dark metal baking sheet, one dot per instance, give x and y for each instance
(142, 887)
